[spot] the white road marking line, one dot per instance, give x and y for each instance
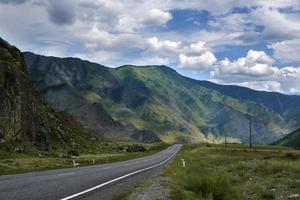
(119, 178)
(66, 174)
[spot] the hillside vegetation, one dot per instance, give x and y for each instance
(291, 140)
(116, 103)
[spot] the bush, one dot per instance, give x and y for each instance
(268, 195)
(290, 156)
(73, 153)
(135, 148)
(216, 187)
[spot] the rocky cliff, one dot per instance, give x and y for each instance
(25, 118)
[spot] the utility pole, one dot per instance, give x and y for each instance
(250, 132)
(225, 139)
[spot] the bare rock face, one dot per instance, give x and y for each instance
(24, 116)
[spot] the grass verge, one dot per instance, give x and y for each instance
(14, 163)
(213, 172)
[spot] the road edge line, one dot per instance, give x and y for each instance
(119, 178)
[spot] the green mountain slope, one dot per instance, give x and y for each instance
(156, 98)
(177, 106)
(26, 119)
(79, 87)
(291, 140)
(288, 106)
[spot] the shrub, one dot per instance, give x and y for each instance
(73, 153)
(268, 195)
(290, 156)
(216, 187)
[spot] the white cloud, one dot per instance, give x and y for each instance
(262, 85)
(100, 56)
(55, 50)
(277, 25)
(150, 18)
(260, 57)
(195, 56)
(287, 50)
(152, 60)
(157, 17)
(200, 62)
(254, 66)
(256, 71)
(198, 47)
(163, 46)
(110, 32)
(102, 40)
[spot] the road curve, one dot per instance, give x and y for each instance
(77, 183)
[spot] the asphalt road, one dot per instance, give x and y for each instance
(92, 182)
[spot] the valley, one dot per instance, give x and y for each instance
(156, 98)
(90, 115)
(149, 100)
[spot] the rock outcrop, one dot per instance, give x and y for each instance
(24, 116)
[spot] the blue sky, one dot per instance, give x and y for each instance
(249, 43)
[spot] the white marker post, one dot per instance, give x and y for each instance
(75, 163)
(94, 161)
(183, 162)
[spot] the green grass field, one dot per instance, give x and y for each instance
(213, 172)
(40, 161)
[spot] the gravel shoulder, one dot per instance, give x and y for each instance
(151, 190)
(150, 187)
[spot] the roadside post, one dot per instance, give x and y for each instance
(183, 162)
(75, 163)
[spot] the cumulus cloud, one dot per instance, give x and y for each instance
(254, 66)
(150, 18)
(287, 50)
(198, 47)
(96, 38)
(202, 61)
(138, 32)
(277, 25)
(157, 17)
(196, 56)
(163, 46)
(256, 71)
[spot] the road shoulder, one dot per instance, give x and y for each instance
(152, 188)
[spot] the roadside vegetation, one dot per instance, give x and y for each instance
(213, 172)
(29, 159)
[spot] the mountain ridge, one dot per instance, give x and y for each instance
(290, 140)
(157, 98)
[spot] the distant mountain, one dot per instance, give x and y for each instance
(25, 118)
(288, 106)
(158, 99)
(291, 140)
